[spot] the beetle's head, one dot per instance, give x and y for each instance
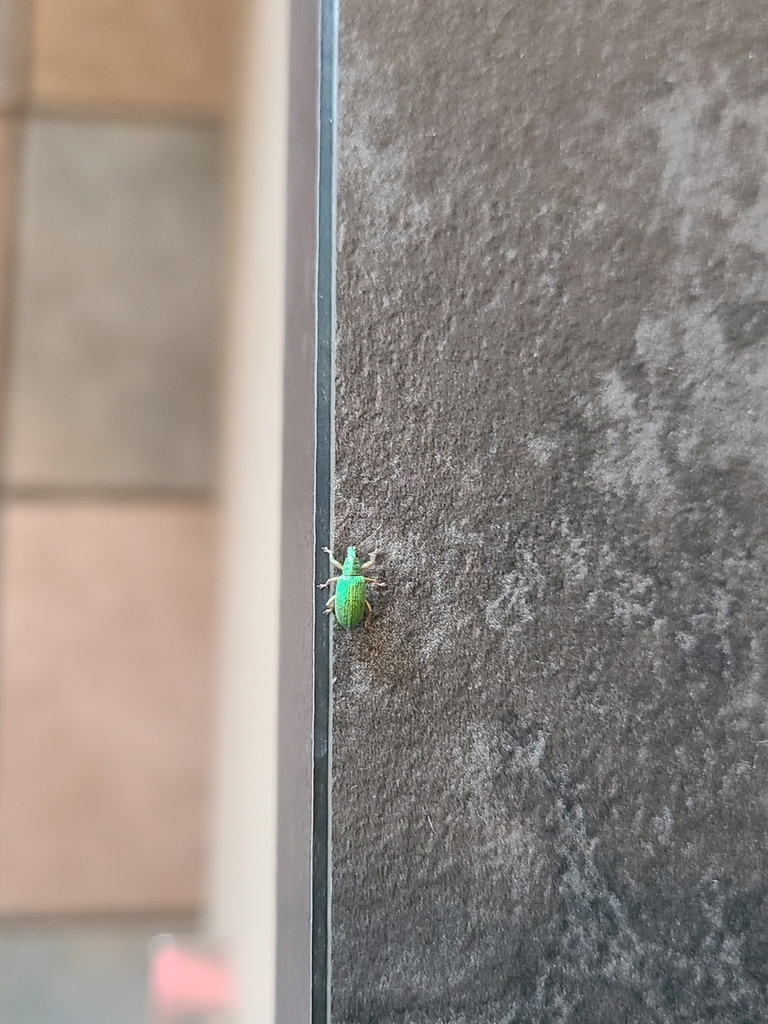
(351, 563)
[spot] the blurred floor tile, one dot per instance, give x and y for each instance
(163, 54)
(107, 620)
(78, 972)
(14, 15)
(118, 306)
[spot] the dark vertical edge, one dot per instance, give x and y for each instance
(326, 260)
(294, 966)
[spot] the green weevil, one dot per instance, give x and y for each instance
(348, 602)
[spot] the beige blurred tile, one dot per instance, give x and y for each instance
(14, 16)
(163, 54)
(107, 613)
(115, 344)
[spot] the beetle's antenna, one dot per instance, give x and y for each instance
(366, 544)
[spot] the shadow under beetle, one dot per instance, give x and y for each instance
(348, 602)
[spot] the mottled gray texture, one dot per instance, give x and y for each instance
(552, 417)
(114, 352)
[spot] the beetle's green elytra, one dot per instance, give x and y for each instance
(348, 602)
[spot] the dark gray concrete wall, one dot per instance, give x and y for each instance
(552, 418)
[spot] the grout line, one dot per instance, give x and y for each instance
(78, 918)
(100, 113)
(130, 115)
(109, 494)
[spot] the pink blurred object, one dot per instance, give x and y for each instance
(185, 980)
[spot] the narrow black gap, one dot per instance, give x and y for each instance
(326, 254)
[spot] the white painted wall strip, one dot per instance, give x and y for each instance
(242, 892)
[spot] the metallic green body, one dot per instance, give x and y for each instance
(349, 603)
(349, 606)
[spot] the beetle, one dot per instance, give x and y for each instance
(348, 602)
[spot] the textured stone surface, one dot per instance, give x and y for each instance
(114, 355)
(552, 417)
(106, 666)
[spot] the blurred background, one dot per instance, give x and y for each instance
(113, 194)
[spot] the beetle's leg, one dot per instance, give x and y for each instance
(322, 586)
(372, 559)
(374, 583)
(337, 565)
(368, 614)
(330, 604)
